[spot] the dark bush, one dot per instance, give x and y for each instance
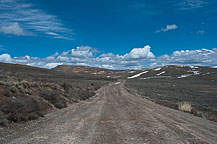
(54, 98)
(66, 86)
(13, 89)
(85, 94)
(22, 109)
(9, 91)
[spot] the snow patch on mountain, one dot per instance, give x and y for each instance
(137, 75)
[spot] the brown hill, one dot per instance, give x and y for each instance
(83, 69)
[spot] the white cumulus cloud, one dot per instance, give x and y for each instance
(168, 27)
(140, 53)
(82, 52)
(5, 58)
(52, 65)
(14, 29)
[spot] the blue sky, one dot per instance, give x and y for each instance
(114, 29)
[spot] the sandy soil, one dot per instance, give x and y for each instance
(114, 116)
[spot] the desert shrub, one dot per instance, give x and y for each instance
(71, 97)
(13, 89)
(85, 94)
(185, 106)
(22, 109)
(54, 98)
(10, 90)
(66, 86)
(3, 121)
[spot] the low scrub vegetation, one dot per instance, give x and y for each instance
(19, 109)
(198, 96)
(54, 97)
(187, 107)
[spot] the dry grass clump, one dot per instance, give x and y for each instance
(185, 106)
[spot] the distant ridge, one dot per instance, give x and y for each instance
(82, 69)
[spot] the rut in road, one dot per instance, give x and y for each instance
(115, 116)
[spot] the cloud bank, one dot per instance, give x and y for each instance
(203, 57)
(137, 58)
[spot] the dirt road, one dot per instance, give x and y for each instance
(115, 116)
